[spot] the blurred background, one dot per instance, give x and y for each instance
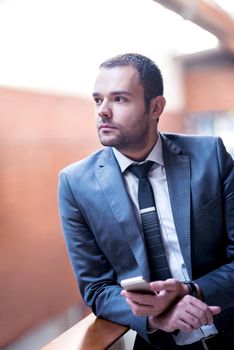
(50, 51)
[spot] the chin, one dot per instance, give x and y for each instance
(108, 141)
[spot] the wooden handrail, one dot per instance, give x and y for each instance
(90, 333)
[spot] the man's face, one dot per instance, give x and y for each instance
(121, 117)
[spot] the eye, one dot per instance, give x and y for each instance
(98, 101)
(120, 99)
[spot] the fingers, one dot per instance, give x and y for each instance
(142, 299)
(170, 284)
(146, 304)
(171, 287)
(215, 310)
(188, 314)
(194, 313)
(140, 310)
(142, 304)
(200, 311)
(195, 318)
(184, 326)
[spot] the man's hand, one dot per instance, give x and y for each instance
(167, 293)
(187, 314)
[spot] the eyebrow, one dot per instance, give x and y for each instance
(114, 93)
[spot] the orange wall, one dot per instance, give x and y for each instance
(210, 89)
(39, 134)
(172, 122)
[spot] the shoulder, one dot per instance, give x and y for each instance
(86, 165)
(209, 150)
(189, 138)
(192, 143)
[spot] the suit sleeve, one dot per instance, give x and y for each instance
(95, 275)
(218, 285)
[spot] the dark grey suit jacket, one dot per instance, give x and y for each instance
(105, 242)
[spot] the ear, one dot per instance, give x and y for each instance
(157, 105)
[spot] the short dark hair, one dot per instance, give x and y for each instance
(149, 74)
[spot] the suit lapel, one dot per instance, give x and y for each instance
(111, 181)
(177, 168)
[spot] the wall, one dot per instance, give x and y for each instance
(209, 82)
(39, 134)
(210, 90)
(172, 122)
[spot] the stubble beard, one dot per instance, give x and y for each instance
(133, 140)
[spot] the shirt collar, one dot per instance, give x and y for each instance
(155, 156)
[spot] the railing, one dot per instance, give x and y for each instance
(90, 333)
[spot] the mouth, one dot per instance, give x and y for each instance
(106, 127)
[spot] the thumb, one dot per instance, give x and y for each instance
(215, 310)
(157, 286)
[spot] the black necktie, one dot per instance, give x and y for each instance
(150, 223)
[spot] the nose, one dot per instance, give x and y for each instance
(104, 110)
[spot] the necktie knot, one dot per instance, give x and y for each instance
(141, 170)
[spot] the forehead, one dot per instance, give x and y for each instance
(117, 79)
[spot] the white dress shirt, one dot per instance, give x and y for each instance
(158, 180)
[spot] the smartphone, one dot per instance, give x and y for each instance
(136, 285)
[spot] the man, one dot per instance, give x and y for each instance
(192, 181)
